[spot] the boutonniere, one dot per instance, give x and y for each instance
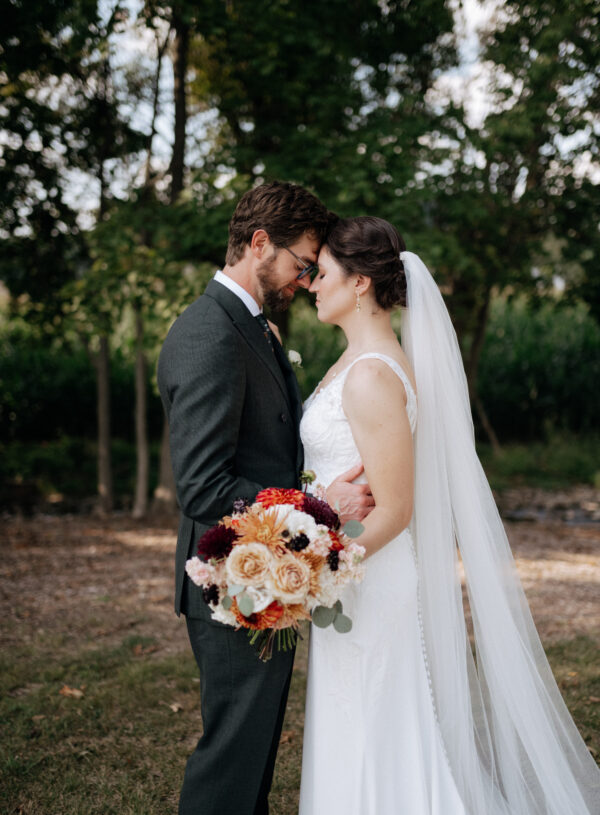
(295, 358)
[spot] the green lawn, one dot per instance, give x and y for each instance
(559, 463)
(121, 747)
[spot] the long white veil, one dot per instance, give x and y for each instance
(511, 743)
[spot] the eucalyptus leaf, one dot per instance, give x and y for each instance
(322, 616)
(245, 605)
(338, 606)
(226, 602)
(342, 624)
(234, 589)
(353, 529)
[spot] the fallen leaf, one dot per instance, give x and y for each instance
(140, 651)
(174, 706)
(38, 718)
(590, 699)
(75, 693)
(286, 736)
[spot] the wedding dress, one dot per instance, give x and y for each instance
(406, 715)
(372, 745)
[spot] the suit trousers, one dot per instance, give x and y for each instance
(243, 704)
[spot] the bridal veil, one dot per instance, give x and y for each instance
(511, 742)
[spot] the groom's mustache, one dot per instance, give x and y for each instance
(276, 297)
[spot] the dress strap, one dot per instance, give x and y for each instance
(411, 397)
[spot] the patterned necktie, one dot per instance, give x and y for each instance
(266, 330)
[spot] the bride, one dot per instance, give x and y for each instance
(402, 717)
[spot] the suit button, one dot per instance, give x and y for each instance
(283, 418)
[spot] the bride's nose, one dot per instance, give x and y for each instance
(314, 286)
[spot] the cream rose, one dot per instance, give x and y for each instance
(248, 564)
(290, 579)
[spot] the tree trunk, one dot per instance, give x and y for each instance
(487, 425)
(180, 59)
(164, 494)
(472, 368)
(140, 503)
(105, 485)
(160, 50)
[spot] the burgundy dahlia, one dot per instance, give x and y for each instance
(320, 511)
(216, 542)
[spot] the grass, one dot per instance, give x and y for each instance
(559, 463)
(121, 747)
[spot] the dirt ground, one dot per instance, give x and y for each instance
(84, 579)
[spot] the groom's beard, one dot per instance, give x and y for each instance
(275, 298)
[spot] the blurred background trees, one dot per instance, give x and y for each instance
(129, 129)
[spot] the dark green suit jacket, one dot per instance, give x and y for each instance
(234, 410)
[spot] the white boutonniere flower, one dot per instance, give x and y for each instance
(295, 358)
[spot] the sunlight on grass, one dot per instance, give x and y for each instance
(121, 747)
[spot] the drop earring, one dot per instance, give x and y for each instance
(357, 300)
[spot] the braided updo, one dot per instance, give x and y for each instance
(371, 247)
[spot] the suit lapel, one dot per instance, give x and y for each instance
(251, 330)
(290, 381)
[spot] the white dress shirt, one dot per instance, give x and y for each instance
(244, 296)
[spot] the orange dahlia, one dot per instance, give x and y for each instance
(336, 543)
(273, 496)
(292, 615)
(261, 620)
(260, 526)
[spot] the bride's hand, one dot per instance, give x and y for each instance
(352, 502)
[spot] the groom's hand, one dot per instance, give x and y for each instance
(352, 502)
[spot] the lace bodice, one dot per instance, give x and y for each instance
(329, 447)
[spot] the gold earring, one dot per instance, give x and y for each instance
(357, 300)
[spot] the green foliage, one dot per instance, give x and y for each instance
(60, 113)
(49, 390)
(542, 133)
(318, 344)
(355, 138)
(559, 462)
(540, 370)
(66, 469)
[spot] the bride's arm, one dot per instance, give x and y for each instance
(374, 400)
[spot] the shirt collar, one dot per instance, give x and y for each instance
(234, 287)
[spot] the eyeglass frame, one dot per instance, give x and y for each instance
(308, 269)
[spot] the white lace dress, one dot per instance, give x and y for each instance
(371, 740)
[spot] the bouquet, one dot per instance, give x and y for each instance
(278, 561)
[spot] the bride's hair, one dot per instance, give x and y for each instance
(371, 246)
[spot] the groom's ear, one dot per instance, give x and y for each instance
(259, 243)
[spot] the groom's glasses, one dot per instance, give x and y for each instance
(307, 268)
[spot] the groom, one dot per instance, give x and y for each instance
(234, 409)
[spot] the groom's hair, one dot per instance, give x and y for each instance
(285, 211)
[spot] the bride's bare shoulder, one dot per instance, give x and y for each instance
(372, 368)
(372, 382)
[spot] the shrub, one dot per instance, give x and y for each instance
(540, 370)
